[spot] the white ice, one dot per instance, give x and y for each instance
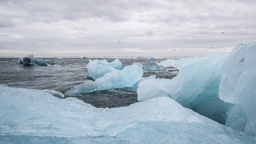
(127, 77)
(34, 116)
(98, 68)
(238, 86)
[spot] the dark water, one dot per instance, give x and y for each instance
(62, 76)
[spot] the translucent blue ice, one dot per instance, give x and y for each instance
(238, 86)
(152, 58)
(126, 77)
(196, 86)
(34, 116)
(98, 68)
(179, 63)
(153, 67)
(30, 60)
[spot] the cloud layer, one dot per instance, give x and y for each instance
(123, 27)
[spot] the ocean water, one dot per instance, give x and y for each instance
(65, 74)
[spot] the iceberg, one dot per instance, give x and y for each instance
(238, 86)
(35, 116)
(29, 60)
(126, 77)
(179, 63)
(152, 58)
(98, 68)
(153, 67)
(196, 86)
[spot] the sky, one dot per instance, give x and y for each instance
(119, 28)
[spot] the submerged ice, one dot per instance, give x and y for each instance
(98, 68)
(238, 86)
(196, 86)
(37, 116)
(127, 77)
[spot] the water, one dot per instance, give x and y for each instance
(63, 75)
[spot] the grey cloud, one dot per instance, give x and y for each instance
(5, 23)
(145, 24)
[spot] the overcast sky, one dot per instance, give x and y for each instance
(124, 27)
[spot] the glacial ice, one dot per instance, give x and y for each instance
(238, 86)
(30, 60)
(196, 86)
(179, 63)
(126, 77)
(236, 117)
(98, 68)
(34, 116)
(153, 67)
(54, 93)
(152, 58)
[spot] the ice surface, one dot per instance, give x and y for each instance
(236, 117)
(34, 116)
(126, 77)
(136, 85)
(98, 68)
(238, 84)
(196, 86)
(153, 67)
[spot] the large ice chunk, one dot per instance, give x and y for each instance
(30, 60)
(33, 116)
(238, 84)
(98, 68)
(153, 67)
(179, 63)
(152, 58)
(126, 77)
(196, 86)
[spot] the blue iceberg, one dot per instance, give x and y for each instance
(179, 63)
(29, 60)
(153, 67)
(196, 86)
(127, 77)
(98, 68)
(238, 86)
(34, 116)
(152, 58)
